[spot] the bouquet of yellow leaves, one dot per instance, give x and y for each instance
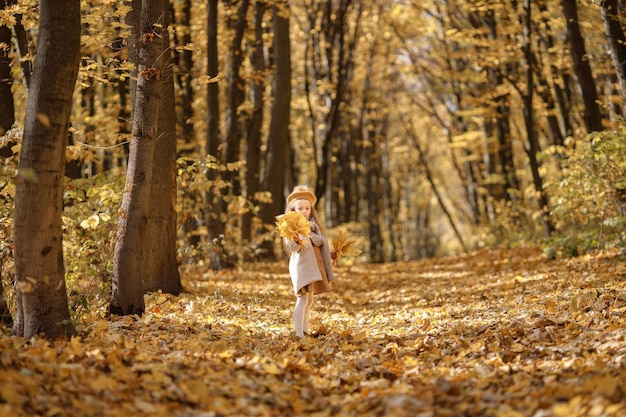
(344, 245)
(293, 224)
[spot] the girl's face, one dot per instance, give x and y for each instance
(302, 206)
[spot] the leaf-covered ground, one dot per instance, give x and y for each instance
(492, 333)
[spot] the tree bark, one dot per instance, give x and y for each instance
(253, 148)
(236, 85)
(431, 180)
(617, 43)
(529, 122)
(129, 257)
(7, 107)
(21, 42)
(160, 243)
(215, 226)
(38, 247)
(337, 42)
(277, 155)
(582, 68)
(5, 313)
(560, 103)
(374, 196)
(184, 75)
(7, 103)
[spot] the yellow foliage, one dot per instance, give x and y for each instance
(292, 225)
(344, 245)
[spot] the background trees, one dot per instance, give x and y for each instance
(427, 128)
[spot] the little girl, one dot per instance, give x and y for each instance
(310, 264)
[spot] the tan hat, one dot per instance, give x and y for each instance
(301, 191)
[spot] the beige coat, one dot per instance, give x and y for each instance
(303, 266)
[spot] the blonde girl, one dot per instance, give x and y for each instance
(310, 263)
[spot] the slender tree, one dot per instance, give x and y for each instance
(38, 247)
(184, 59)
(435, 188)
(582, 67)
(22, 42)
(333, 46)
(558, 107)
(614, 30)
(253, 146)
(129, 257)
(5, 313)
(374, 190)
(527, 94)
(7, 107)
(214, 223)
(236, 96)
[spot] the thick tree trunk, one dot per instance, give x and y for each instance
(129, 257)
(160, 243)
(582, 68)
(39, 270)
(277, 156)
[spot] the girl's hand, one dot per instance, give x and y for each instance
(300, 243)
(314, 227)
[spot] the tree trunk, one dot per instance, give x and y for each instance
(184, 76)
(184, 81)
(38, 235)
(529, 122)
(431, 181)
(129, 257)
(160, 243)
(374, 198)
(215, 226)
(253, 148)
(559, 83)
(5, 314)
(236, 98)
(22, 42)
(7, 108)
(7, 104)
(337, 42)
(582, 68)
(617, 43)
(277, 156)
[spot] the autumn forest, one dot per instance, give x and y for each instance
(473, 152)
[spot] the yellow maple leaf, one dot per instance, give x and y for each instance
(292, 225)
(344, 245)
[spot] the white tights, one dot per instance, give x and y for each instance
(301, 313)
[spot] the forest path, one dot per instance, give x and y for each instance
(491, 333)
